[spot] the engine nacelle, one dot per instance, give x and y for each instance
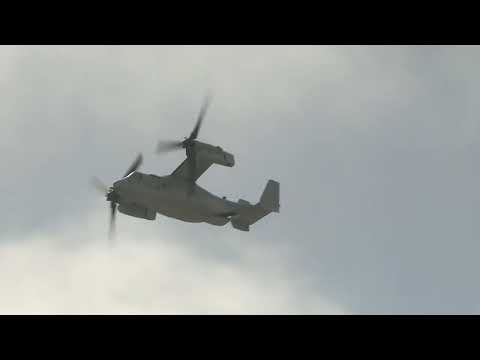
(214, 154)
(137, 211)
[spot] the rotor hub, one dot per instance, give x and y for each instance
(188, 143)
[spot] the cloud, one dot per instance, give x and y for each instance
(73, 270)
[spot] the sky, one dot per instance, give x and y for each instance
(375, 149)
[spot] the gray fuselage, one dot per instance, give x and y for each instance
(172, 196)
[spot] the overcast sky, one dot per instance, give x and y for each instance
(376, 149)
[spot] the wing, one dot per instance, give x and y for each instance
(183, 170)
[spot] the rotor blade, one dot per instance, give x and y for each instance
(201, 115)
(136, 164)
(166, 146)
(99, 185)
(113, 212)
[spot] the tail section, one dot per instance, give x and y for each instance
(249, 214)
(270, 199)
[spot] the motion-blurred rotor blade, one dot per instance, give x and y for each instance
(203, 111)
(113, 212)
(99, 185)
(136, 164)
(166, 146)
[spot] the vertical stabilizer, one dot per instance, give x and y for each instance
(249, 214)
(270, 199)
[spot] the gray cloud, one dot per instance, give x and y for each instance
(375, 149)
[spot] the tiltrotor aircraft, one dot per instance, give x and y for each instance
(178, 196)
